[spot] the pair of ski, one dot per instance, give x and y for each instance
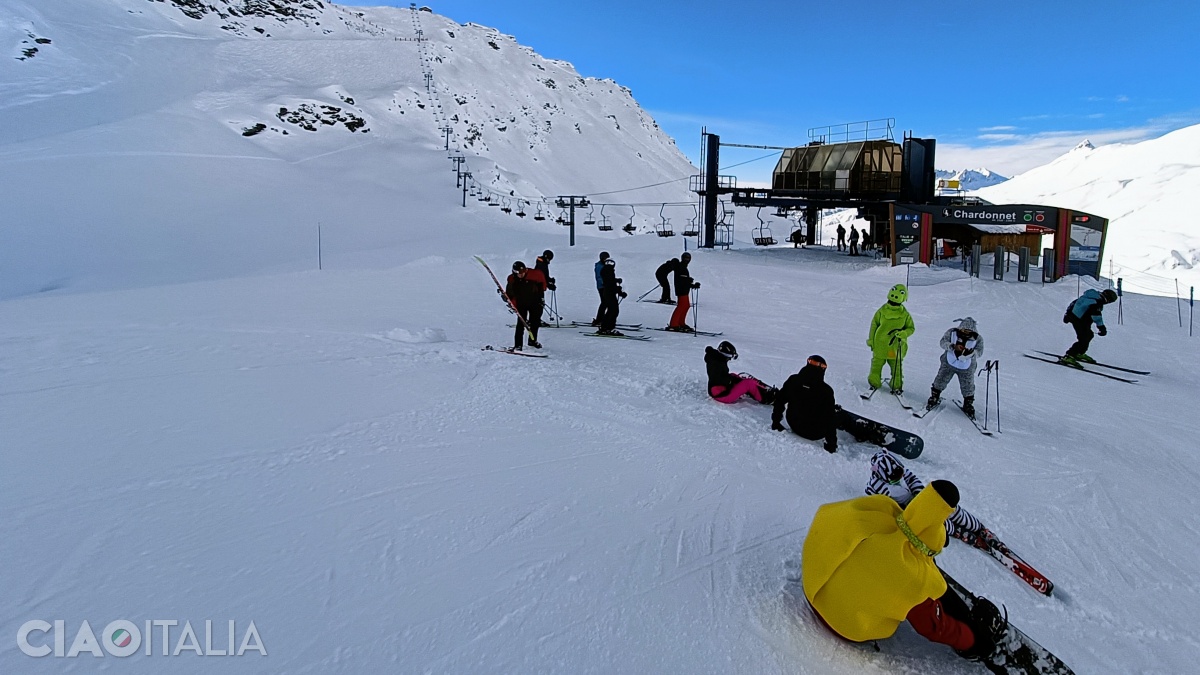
(1084, 367)
(1016, 653)
(619, 327)
(1013, 562)
(919, 414)
(898, 395)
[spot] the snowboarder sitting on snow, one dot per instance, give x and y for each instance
(610, 306)
(727, 387)
(683, 291)
(962, 347)
(524, 289)
(868, 565)
(543, 265)
(812, 412)
(1080, 314)
(888, 339)
(663, 276)
(890, 477)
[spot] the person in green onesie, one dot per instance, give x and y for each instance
(888, 339)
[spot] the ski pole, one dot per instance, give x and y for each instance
(997, 363)
(696, 313)
(987, 391)
(648, 293)
(554, 308)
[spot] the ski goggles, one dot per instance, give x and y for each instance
(814, 362)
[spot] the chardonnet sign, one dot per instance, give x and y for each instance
(123, 638)
(981, 216)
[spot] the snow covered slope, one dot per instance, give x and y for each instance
(1146, 190)
(148, 142)
(331, 455)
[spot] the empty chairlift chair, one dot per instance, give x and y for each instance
(539, 215)
(605, 225)
(693, 226)
(724, 228)
(663, 228)
(762, 233)
(590, 219)
(630, 228)
(520, 208)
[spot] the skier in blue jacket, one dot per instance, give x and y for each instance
(1081, 313)
(600, 286)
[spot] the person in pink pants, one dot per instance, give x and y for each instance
(727, 387)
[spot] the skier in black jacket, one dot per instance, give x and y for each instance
(543, 265)
(726, 387)
(524, 289)
(610, 290)
(663, 276)
(811, 409)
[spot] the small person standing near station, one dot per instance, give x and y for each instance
(841, 242)
(543, 265)
(663, 276)
(1081, 313)
(961, 348)
(853, 240)
(600, 287)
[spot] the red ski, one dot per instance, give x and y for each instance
(511, 305)
(1004, 555)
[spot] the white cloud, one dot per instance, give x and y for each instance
(1022, 152)
(1002, 127)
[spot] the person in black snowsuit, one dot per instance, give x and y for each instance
(812, 412)
(524, 289)
(610, 291)
(543, 265)
(663, 276)
(683, 292)
(599, 266)
(1081, 313)
(853, 240)
(727, 387)
(841, 241)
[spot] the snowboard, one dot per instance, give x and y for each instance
(903, 443)
(1016, 653)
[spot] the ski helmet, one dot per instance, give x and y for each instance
(898, 294)
(887, 466)
(1109, 295)
(727, 349)
(947, 490)
(548, 255)
(603, 256)
(518, 266)
(818, 361)
(685, 257)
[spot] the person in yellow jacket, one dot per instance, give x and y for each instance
(868, 565)
(888, 338)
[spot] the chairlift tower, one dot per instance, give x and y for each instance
(569, 202)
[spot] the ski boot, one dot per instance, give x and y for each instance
(517, 348)
(535, 344)
(990, 628)
(1070, 360)
(935, 397)
(596, 322)
(969, 406)
(611, 332)
(1084, 358)
(768, 395)
(681, 329)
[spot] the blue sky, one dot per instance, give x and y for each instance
(1004, 85)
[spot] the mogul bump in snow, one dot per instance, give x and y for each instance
(808, 400)
(727, 387)
(961, 349)
(868, 565)
(525, 288)
(888, 338)
(1081, 313)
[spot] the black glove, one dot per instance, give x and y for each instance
(619, 280)
(550, 285)
(776, 426)
(1102, 330)
(623, 294)
(695, 284)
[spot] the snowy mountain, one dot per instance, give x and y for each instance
(327, 452)
(971, 179)
(1145, 190)
(191, 119)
